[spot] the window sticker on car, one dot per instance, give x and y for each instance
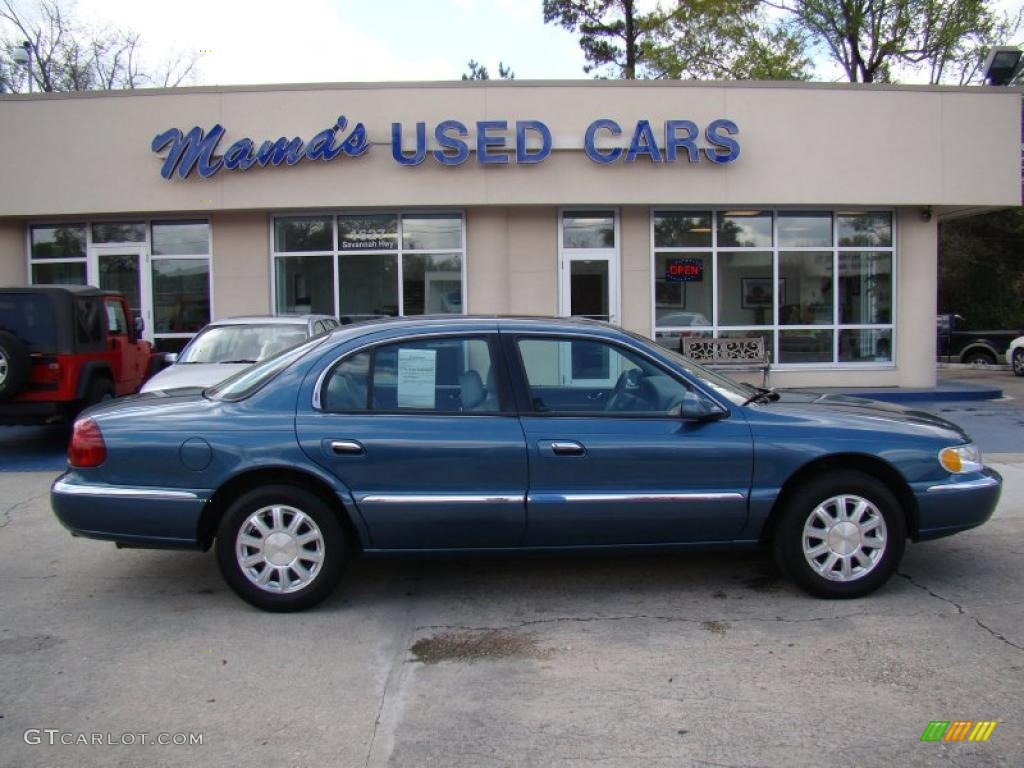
(417, 377)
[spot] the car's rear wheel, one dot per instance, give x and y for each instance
(1018, 361)
(281, 548)
(15, 365)
(980, 357)
(841, 535)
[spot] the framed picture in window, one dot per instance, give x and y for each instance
(756, 292)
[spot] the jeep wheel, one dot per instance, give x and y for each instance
(15, 365)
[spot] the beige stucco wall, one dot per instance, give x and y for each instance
(800, 144)
(12, 252)
(241, 264)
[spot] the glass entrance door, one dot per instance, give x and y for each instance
(123, 269)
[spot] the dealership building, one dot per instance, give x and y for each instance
(802, 213)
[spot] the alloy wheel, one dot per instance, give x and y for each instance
(280, 549)
(4, 367)
(1018, 362)
(844, 538)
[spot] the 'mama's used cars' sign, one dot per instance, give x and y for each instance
(197, 150)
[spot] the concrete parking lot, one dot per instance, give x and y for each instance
(702, 660)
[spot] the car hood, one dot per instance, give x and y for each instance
(192, 375)
(845, 411)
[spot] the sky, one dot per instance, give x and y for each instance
(304, 41)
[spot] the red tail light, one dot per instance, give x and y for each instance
(86, 448)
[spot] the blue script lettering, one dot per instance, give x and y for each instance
(195, 150)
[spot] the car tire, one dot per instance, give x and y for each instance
(979, 357)
(841, 535)
(281, 548)
(1018, 361)
(15, 365)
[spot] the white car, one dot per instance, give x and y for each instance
(1015, 355)
(227, 346)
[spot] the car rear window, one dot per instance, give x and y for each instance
(29, 317)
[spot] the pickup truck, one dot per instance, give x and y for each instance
(959, 343)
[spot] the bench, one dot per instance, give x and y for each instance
(736, 354)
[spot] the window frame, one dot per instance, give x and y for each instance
(336, 253)
(774, 329)
(506, 401)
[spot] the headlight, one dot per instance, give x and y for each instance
(961, 458)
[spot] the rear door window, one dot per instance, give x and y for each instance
(29, 317)
(88, 321)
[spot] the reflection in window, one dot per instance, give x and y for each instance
(745, 292)
(870, 228)
(295, 234)
(432, 284)
(177, 238)
(805, 346)
(67, 273)
(369, 232)
(864, 345)
(346, 388)
(60, 242)
(805, 229)
(432, 231)
(805, 279)
(181, 295)
(304, 284)
(588, 229)
(865, 287)
(745, 229)
(682, 229)
(119, 232)
(367, 285)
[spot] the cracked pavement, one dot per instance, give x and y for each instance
(659, 660)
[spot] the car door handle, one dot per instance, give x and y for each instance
(346, 447)
(567, 448)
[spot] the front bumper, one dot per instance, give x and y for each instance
(956, 504)
(142, 517)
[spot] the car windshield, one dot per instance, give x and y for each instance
(242, 343)
(245, 383)
(734, 391)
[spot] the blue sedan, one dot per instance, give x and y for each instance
(495, 434)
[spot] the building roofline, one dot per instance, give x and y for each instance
(515, 84)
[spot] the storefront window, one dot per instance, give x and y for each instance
(181, 295)
(588, 229)
(181, 238)
(59, 242)
(119, 232)
(305, 285)
(385, 264)
(67, 272)
(816, 286)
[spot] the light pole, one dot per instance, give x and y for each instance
(1002, 64)
(23, 57)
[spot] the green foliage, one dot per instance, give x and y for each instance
(981, 269)
(717, 39)
(872, 40)
(478, 71)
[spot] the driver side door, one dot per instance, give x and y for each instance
(623, 468)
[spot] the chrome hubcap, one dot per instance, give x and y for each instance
(844, 538)
(1018, 362)
(280, 549)
(3, 367)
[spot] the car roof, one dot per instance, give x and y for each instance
(271, 319)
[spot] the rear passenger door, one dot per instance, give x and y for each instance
(423, 433)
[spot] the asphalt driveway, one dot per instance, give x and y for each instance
(702, 660)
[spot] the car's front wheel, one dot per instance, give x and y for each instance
(1018, 361)
(281, 548)
(841, 535)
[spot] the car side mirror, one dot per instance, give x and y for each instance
(171, 358)
(697, 408)
(140, 326)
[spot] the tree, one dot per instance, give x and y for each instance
(69, 56)
(689, 38)
(871, 39)
(478, 71)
